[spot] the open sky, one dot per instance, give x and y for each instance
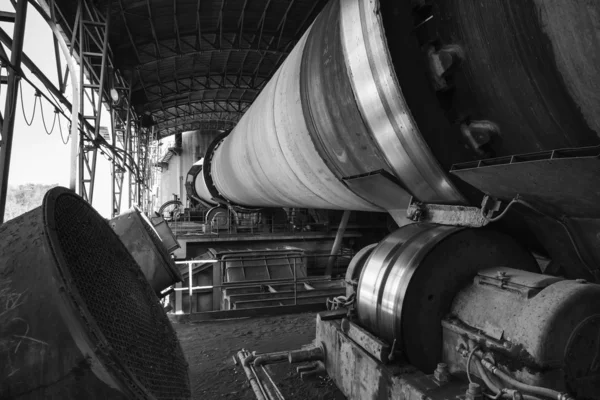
(36, 156)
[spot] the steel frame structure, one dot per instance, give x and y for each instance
(12, 82)
(204, 73)
(88, 43)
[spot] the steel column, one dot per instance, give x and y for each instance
(87, 164)
(11, 102)
(337, 244)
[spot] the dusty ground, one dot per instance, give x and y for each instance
(209, 347)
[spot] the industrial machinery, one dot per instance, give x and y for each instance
(473, 124)
(149, 249)
(78, 320)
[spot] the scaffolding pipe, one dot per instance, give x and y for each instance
(75, 106)
(337, 244)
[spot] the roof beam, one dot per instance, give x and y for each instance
(153, 30)
(203, 35)
(176, 26)
(213, 81)
(206, 116)
(213, 105)
(198, 125)
(195, 53)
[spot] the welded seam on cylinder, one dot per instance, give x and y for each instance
(431, 165)
(385, 103)
(279, 142)
(307, 112)
(305, 94)
(273, 185)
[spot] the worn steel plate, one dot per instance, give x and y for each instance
(563, 179)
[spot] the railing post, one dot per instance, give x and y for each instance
(295, 284)
(190, 283)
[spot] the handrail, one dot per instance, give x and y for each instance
(294, 281)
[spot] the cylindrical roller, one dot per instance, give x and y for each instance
(78, 320)
(196, 187)
(409, 280)
(202, 189)
(333, 110)
(141, 239)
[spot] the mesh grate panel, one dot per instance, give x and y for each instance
(120, 300)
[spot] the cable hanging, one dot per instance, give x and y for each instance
(44, 119)
(23, 106)
(61, 133)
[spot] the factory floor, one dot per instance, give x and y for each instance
(209, 347)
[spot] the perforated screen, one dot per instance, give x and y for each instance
(120, 300)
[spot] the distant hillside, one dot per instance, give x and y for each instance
(24, 198)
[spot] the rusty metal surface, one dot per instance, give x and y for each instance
(534, 323)
(562, 179)
(84, 322)
(361, 377)
(140, 238)
(441, 214)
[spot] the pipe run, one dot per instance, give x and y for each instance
(312, 353)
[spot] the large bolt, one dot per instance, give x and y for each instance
(479, 133)
(441, 373)
(474, 392)
(442, 62)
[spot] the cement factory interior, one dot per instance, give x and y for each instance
(311, 199)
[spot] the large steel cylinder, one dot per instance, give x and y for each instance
(196, 185)
(409, 280)
(334, 110)
(530, 66)
(78, 320)
(137, 233)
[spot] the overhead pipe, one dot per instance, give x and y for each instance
(332, 129)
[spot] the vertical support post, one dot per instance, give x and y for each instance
(82, 120)
(217, 282)
(337, 244)
(10, 106)
(113, 181)
(98, 106)
(130, 175)
(190, 280)
(178, 299)
(295, 284)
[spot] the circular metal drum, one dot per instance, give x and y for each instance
(78, 318)
(408, 283)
